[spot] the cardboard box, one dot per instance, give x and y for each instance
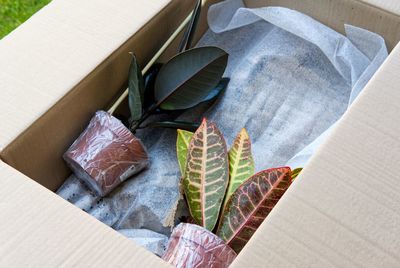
(70, 60)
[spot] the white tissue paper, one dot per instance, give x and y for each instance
(292, 78)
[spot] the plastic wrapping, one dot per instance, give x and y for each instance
(285, 89)
(150, 240)
(193, 246)
(106, 154)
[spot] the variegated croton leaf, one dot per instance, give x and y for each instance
(241, 163)
(250, 204)
(296, 173)
(182, 145)
(207, 174)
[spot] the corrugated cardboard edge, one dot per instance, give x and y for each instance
(39, 229)
(45, 57)
(54, 131)
(390, 6)
(344, 209)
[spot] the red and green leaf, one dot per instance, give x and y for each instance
(250, 205)
(207, 174)
(241, 163)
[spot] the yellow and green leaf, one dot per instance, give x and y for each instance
(206, 174)
(182, 145)
(241, 163)
(296, 172)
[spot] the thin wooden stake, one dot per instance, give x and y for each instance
(154, 59)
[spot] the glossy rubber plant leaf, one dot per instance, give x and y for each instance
(296, 172)
(136, 90)
(190, 126)
(188, 78)
(241, 163)
(149, 83)
(207, 174)
(215, 92)
(182, 146)
(191, 29)
(250, 205)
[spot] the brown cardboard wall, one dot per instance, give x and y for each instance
(342, 211)
(37, 151)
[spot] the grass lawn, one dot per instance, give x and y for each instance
(15, 12)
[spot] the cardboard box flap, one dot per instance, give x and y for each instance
(77, 63)
(54, 233)
(392, 6)
(372, 15)
(44, 58)
(344, 209)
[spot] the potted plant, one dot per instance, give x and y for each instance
(107, 152)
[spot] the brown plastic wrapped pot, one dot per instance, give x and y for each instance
(193, 246)
(106, 154)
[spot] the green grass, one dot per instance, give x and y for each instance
(15, 12)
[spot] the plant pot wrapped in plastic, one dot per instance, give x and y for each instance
(193, 246)
(106, 154)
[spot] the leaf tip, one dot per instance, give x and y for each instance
(244, 133)
(203, 122)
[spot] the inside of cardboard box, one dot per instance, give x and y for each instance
(332, 13)
(153, 170)
(318, 11)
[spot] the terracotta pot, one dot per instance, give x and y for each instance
(106, 154)
(193, 246)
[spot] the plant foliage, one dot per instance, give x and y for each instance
(241, 163)
(182, 146)
(250, 205)
(207, 173)
(248, 198)
(296, 173)
(188, 79)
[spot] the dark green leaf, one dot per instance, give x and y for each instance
(189, 126)
(136, 90)
(149, 82)
(191, 29)
(188, 78)
(215, 92)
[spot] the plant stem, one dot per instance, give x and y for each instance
(135, 125)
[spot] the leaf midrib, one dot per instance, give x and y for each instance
(203, 175)
(237, 161)
(183, 82)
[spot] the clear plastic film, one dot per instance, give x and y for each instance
(106, 154)
(193, 246)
